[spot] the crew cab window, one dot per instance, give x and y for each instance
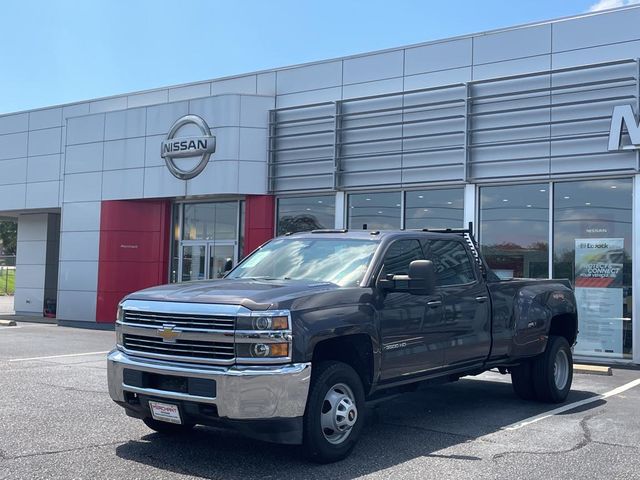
(451, 261)
(399, 255)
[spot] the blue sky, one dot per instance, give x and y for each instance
(68, 50)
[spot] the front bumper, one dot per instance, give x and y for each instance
(266, 392)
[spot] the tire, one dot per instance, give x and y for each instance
(553, 371)
(522, 381)
(166, 428)
(334, 414)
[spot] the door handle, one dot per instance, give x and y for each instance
(434, 303)
(481, 299)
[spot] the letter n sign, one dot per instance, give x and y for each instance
(623, 115)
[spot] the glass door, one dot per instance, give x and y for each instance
(221, 258)
(193, 262)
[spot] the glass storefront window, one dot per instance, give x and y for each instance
(374, 211)
(434, 208)
(226, 224)
(209, 221)
(592, 247)
(301, 214)
(175, 244)
(514, 229)
(241, 236)
(199, 220)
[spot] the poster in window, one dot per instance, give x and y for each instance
(598, 288)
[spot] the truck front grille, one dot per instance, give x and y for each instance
(180, 332)
(189, 349)
(211, 322)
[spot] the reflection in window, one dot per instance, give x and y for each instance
(593, 228)
(209, 221)
(340, 261)
(451, 262)
(514, 230)
(175, 243)
(374, 211)
(400, 255)
(434, 208)
(301, 214)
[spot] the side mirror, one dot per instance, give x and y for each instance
(421, 279)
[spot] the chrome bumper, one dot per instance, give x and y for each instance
(242, 392)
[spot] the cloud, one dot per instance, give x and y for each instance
(607, 4)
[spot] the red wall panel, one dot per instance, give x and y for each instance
(134, 250)
(260, 211)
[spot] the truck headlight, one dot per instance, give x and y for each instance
(119, 318)
(263, 337)
(274, 320)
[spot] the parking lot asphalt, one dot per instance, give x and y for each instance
(57, 421)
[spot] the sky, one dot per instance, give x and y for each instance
(55, 52)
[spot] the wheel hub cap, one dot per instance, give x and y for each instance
(561, 369)
(339, 413)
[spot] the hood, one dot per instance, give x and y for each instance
(255, 294)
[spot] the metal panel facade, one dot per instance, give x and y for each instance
(540, 125)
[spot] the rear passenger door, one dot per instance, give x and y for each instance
(466, 306)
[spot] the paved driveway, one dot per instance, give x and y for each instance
(57, 421)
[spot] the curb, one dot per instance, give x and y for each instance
(592, 370)
(7, 323)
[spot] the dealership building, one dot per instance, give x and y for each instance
(529, 132)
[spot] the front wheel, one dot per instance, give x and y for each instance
(552, 372)
(335, 412)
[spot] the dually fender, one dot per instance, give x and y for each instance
(534, 308)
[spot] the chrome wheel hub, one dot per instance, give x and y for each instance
(339, 413)
(561, 369)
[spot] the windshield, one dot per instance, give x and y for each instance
(340, 261)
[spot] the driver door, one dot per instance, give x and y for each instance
(408, 322)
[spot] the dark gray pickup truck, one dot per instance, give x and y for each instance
(294, 341)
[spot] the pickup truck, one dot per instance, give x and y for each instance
(299, 336)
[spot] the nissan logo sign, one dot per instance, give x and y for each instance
(188, 147)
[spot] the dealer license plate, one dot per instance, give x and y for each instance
(165, 412)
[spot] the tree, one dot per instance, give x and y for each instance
(8, 236)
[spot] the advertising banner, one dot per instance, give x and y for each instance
(598, 288)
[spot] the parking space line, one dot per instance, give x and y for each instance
(57, 356)
(571, 406)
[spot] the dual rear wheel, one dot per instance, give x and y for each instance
(547, 377)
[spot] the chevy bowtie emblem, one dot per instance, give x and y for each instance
(168, 333)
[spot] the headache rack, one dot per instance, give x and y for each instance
(467, 234)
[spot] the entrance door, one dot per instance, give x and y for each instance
(221, 258)
(206, 260)
(193, 263)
